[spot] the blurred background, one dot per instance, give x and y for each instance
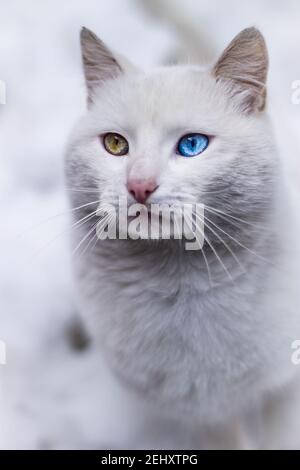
(52, 395)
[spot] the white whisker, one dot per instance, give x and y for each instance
(245, 247)
(44, 221)
(205, 258)
(221, 239)
(99, 224)
(83, 239)
(82, 190)
(215, 252)
(220, 213)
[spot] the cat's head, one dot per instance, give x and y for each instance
(178, 133)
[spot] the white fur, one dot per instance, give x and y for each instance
(205, 354)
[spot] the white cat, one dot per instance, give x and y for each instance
(203, 335)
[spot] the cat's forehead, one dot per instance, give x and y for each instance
(165, 95)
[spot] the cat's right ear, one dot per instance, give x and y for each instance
(99, 63)
(244, 66)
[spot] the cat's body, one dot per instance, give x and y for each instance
(204, 335)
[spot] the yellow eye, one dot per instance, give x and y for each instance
(115, 144)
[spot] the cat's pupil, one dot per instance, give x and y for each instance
(193, 143)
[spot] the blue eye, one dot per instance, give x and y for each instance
(192, 144)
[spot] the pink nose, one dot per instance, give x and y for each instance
(141, 189)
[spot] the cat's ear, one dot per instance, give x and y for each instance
(99, 63)
(244, 65)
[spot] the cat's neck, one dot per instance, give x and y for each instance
(166, 266)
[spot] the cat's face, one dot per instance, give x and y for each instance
(178, 134)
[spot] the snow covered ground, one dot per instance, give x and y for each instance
(50, 395)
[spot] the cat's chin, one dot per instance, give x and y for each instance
(148, 227)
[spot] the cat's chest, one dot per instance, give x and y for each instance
(172, 339)
(171, 336)
(162, 305)
(161, 287)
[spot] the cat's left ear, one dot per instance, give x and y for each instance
(244, 66)
(99, 63)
